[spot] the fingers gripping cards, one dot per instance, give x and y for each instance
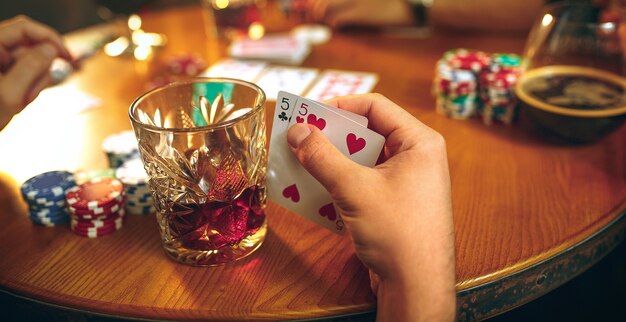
(290, 185)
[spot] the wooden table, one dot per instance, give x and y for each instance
(529, 213)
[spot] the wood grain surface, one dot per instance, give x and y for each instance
(519, 196)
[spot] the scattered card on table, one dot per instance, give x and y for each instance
(332, 83)
(282, 48)
(291, 79)
(232, 68)
(292, 187)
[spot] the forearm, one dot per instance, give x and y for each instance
(425, 300)
(485, 14)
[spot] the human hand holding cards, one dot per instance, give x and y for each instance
(289, 184)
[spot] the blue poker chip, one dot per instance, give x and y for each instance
(47, 205)
(48, 214)
(133, 204)
(50, 222)
(47, 186)
(142, 198)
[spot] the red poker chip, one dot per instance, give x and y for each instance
(468, 60)
(114, 224)
(96, 232)
(96, 193)
(97, 212)
(96, 223)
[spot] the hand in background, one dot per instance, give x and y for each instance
(338, 13)
(398, 214)
(27, 49)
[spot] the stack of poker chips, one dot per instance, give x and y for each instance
(472, 82)
(496, 88)
(456, 92)
(96, 207)
(120, 147)
(45, 196)
(135, 179)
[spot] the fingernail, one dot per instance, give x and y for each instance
(297, 134)
(48, 50)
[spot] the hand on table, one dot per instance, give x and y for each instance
(338, 13)
(27, 49)
(398, 214)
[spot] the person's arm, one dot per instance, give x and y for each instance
(398, 214)
(27, 49)
(488, 15)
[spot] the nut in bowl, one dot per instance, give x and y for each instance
(573, 80)
(578, 104)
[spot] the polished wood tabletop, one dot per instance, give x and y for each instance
(530, 212)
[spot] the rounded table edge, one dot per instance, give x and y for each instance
(510, 291)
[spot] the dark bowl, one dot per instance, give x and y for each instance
(574, 125)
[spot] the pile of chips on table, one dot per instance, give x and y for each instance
(469, 83)
(96, 207)
(45, 196)
(98, 204)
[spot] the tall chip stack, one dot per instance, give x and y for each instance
(496, 89)
(456, 92)
(468, 83)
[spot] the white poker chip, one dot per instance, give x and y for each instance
(120, 143)
(132, 173)
(313, 34)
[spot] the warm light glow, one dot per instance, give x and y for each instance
(141, 38)
(134, 22)
(49, 134)
(116, 47)
(142, 52)
(221, 4)
(547, 19)
(256, 31)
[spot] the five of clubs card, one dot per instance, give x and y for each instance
(289, 184)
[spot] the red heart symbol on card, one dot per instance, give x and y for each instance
(299, 119)
(328, 211)
(354, 144)
(319, 122)
(292, 193)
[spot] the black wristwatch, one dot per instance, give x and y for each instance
(420, 11)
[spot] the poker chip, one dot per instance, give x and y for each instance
(190, 65)
(47, 185)
(95, 232)
(464, 59)
(95, 193)
(120, 147)
(45, 196)
(139, 200)
(84, 176)
(312, 33)
(95, 212)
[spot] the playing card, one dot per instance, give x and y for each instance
(332, 83)
(293, 187)
(290, 79)
(278, 48)
(287, 181)
(357, 142)
(232, 68)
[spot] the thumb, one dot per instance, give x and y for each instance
(320, 157)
